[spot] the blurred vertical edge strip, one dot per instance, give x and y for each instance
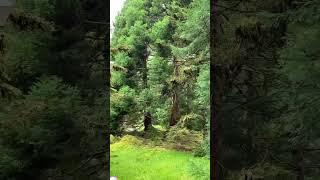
(107, 58)
(213, 112)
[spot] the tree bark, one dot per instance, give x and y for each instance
(147, 115)
(215, 87)
(145, 67)
(300, 163)
(106, 72)
(251, 121)
(1, 44)
(175, 110)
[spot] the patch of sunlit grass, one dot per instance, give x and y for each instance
(130, 161)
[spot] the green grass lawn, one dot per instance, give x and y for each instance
(135, 161)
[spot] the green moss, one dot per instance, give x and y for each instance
(113, 139)
(184, 139)
(141, 162)
(128, 141)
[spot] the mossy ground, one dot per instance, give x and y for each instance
(132, 159)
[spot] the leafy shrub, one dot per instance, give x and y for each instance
(152, 100)
(155, 134)
(192, 121)
(62, 11)
(117, 79)
(42, 8)
(184, 139)
(122, 102)
(264, 171)
(128, 141)
(203, 149)
(199, 169)
(159, 70)
(9, 165)
(146, 98)
(113, 139)
(122, 59)
(36, 127)
(162, 113)
(161, 30)
(23, 62)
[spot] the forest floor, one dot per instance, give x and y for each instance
(135, 158)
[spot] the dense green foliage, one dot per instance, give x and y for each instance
(160, 71)
(263, 57)
(158, 67)
(52, 90)
(266, 92)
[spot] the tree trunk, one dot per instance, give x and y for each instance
(147, 115)
(145, 67)
(175, 110)
(251, 121)
(1, 44)
(106, 72)
(300, 163)
(215, 87)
